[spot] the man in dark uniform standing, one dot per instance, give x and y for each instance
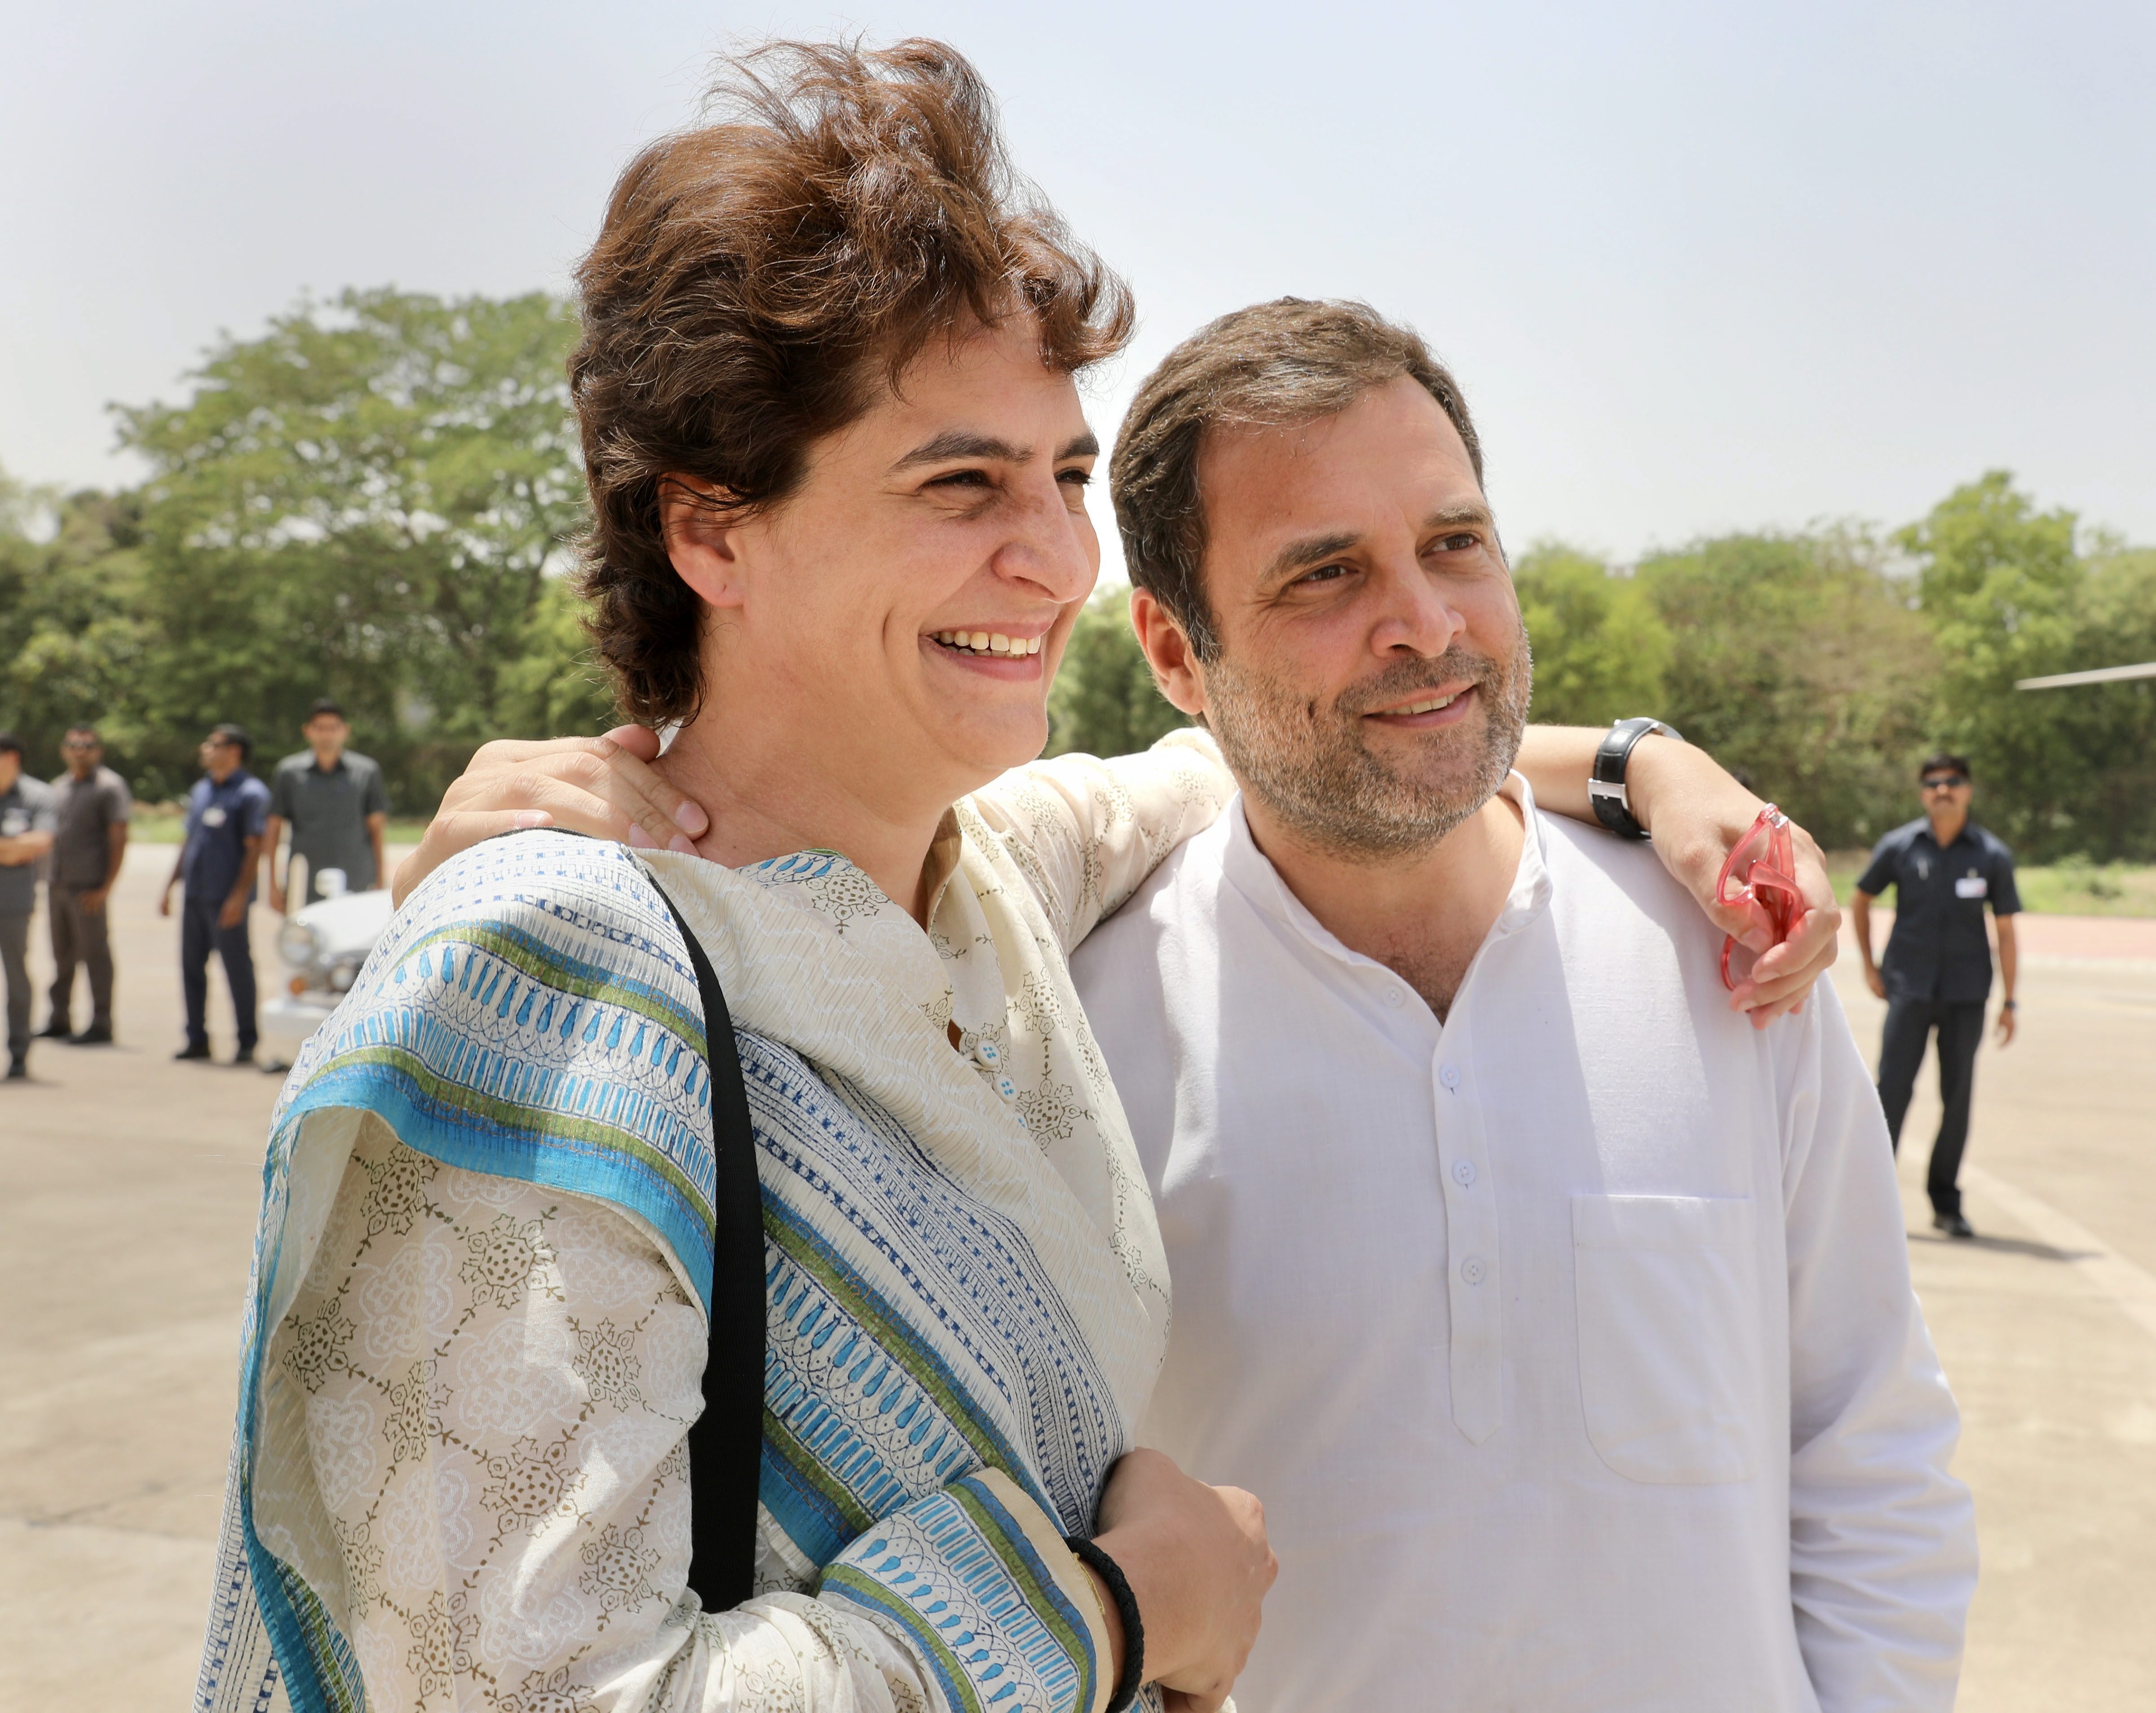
(1936, 973)
(226, 813)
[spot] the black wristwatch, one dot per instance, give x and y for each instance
(1605, 780)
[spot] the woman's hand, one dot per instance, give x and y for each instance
(1199, 1566)
(1694, 814)
(603, 786)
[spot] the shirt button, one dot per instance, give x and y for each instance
(988, 1053)
(1395, 998)
(1473, 1269)
(1448, 1075)
(1007, 1089)
(1463, 1172)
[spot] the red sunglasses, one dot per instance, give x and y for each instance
(1762, 871)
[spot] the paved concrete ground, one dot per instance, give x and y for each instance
(128, 1186)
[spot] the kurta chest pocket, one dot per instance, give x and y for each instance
(1669, 1335)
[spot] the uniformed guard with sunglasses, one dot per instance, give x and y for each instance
(1936, 973)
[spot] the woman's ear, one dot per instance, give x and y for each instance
(1168, 652)
(702, 531)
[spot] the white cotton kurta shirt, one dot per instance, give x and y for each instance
(1570, 1344)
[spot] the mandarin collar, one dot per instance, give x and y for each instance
(1251, 872)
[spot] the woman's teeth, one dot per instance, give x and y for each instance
(988, 642)
(1431, 706)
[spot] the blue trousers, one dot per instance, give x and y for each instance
(199, 932)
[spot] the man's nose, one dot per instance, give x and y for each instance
(1412, 612)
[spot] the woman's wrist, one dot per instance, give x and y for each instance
(1662, 771)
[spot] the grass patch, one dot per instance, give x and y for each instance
(2074, 888)
(164, 824)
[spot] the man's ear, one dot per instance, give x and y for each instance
(1168, 652)
(702, 531)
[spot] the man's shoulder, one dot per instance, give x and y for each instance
(36, 793)
(1177, 898)
(294, 764)
(1899, 838)
(361, 764)
(111, 784)
(1994, 847)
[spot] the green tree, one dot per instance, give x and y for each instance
(2008, 595)
(371, 501)
(72, 642)
(1601, 650)
(1104, 701)
(1799, 661)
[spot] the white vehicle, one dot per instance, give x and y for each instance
(323, 947)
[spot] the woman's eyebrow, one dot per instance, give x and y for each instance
(964, 443)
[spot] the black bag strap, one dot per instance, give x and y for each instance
(725, 1444)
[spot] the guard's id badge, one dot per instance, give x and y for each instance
(212, 817)
(1972, 885)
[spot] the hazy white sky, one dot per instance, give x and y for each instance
(1699, 266)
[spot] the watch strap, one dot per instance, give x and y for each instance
(1606, 790)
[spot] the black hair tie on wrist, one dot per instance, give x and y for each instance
(1126, 1609)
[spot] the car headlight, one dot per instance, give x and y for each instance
(298, 944)
(343, 973)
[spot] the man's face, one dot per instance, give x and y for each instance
(325, 733)
(1946, 791)
(1373, 678)
(11, 770)
(82, 752)
(219, 757)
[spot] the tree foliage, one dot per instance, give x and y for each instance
(370, 501)
(374, 500)
(1602, 652)
(1104, 701)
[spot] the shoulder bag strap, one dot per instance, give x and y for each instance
(725, 1444)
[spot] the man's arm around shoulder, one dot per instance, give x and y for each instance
(1882, 1537)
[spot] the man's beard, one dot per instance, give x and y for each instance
(1313, 765)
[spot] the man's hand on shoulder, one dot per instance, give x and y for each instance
(604, 787)
(1695, 813)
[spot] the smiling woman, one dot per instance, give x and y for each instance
(838, 467)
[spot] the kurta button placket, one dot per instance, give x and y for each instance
(1470, 1235)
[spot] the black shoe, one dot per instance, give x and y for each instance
(191, 1051)
(19, 1068)
(245, 1057)
(92, 1036)
(1953, 1225)
(57, 1030)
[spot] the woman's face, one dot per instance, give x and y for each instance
(954, 509)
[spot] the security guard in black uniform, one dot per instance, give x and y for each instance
(1937, 974)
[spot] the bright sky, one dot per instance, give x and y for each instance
(1699, 266)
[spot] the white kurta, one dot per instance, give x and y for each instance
(1570, 1344)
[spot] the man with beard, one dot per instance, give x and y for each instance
(1563, 1321)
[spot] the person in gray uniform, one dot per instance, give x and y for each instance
(333, 799)
(26, 835)
(91, 805)
(1936, 973)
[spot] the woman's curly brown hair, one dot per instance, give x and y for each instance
(760, 279)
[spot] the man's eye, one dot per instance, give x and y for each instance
(1323, 574)
(1464, 541)
(1077, 478)
(961, 479)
